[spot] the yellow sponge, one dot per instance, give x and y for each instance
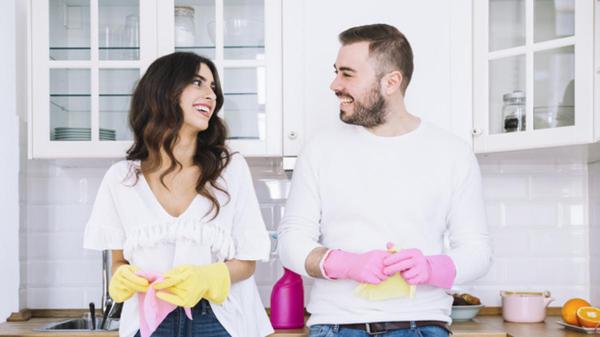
(392, 287)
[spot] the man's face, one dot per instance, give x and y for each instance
(357, 86)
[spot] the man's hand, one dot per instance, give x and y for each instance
(363, 268)
(416, 268)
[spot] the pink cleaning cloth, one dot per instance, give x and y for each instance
(153, 310)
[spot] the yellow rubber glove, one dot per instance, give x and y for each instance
(124, 283)
(186, 285)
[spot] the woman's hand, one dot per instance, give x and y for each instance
(125, 283)
(186, 285)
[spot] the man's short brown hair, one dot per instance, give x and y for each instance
(387, 45)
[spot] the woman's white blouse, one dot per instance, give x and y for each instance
(127, 216)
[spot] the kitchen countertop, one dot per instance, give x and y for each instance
(483, 326)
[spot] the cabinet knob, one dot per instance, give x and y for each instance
(292, 135)
(476, 132)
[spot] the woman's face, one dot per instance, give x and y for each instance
(198, 101)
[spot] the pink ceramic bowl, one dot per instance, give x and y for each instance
(525, 307)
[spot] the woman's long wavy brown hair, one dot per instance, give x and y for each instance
(155, 118)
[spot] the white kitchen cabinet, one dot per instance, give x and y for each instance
(533, 74)
(439, 32)
(87, 55)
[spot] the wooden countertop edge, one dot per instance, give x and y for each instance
(26, 314)
(483, 326)
(487, 324)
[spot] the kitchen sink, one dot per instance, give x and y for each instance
(79, 324)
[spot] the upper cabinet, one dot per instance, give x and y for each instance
(87, 55)
(533, 74)
(439, 32)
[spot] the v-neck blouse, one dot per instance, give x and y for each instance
(127, 216)
(144, 182)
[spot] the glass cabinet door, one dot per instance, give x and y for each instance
(86, 61)
(527, 62)
(245, 47)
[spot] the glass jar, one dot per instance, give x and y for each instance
(184, 26)
(513, 111)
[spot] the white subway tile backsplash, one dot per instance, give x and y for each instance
(537, 213)
(55, 218)
(510, 242)
(532, 213)
(573, 214)
(59, 297)
(496, 275)
(495, 214)
(60, 245)
(503, 187)
(63, 273)
(550, 186)
(50, 191)
(545, 243)
(555, 271)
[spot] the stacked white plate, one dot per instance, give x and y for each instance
(78, 134)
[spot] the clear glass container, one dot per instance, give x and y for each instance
(184, 26)
(119, 30)
(554, 88)
(513, 111)
(199, 42)
(506, 74)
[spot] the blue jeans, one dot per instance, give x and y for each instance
(204, 323)
(332, 330)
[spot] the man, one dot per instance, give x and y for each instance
(384, 179)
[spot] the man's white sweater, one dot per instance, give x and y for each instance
(355, 191)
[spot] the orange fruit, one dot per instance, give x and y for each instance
(569, 310)
(588, 317)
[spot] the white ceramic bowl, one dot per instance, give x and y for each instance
(464, 312)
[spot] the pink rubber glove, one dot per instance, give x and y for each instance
(416, 268)
(363, 268)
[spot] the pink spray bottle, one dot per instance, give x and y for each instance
(287, 302)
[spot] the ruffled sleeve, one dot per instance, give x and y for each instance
(249, 233)
(104, 229)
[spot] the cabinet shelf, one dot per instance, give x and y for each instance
(127, 95)
(88, 95)
(176, 48)
(226, 47)
(110, 103)
(88, 48)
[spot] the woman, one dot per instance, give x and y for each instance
(184, 207)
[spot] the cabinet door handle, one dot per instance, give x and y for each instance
(292, 135)
(476, 132)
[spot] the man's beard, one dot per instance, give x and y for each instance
(370, 114)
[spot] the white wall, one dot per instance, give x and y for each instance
(537, 213)
(594, 237)
(9, 170)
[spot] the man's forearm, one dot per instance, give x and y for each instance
(313, 260)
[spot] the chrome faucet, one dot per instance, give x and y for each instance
(106, 300)
(109, 308)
